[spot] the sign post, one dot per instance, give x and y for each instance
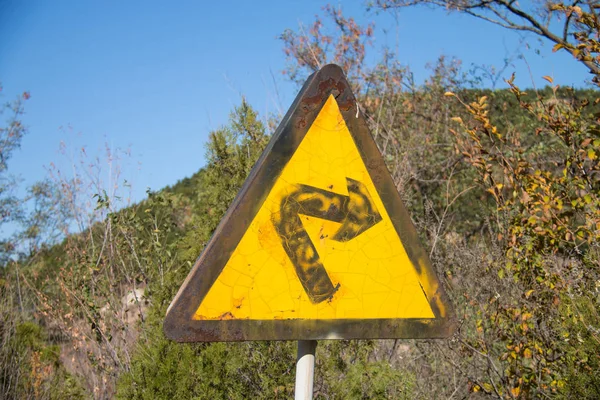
(316, 245)
(305, 369)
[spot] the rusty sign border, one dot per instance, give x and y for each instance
(180, 326)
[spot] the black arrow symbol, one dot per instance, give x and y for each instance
(356, 212)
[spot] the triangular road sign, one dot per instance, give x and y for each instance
(317, 244)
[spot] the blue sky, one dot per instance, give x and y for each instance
(156, 77)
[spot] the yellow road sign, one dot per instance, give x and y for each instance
(317, 244)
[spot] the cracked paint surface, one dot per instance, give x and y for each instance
(370, 270)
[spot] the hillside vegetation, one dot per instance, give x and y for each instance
(502, 185)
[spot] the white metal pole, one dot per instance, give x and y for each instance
(305, 369)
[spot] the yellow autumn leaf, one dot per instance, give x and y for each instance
(515, 391)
